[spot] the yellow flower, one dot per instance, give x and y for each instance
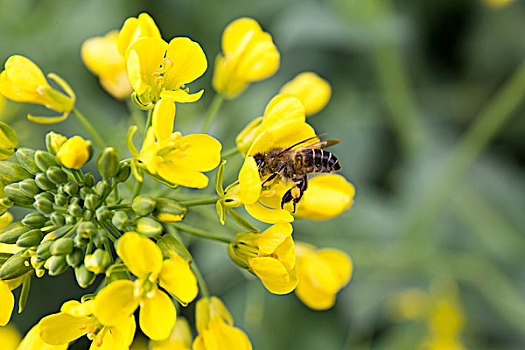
(23, 81)
(215, 327)
(172, 158)
(321, 273)
(101, 56)
(136, 28)
(54, 141)
(143, 258)
(180, 338)
(33, 341)
(157, 69)
(326, 197)
(9, 338)
(270, 255)
(498, 3)
(313, 91)
(76, 319)
(248, 55)
(75, 152)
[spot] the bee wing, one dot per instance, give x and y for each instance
(314, 143)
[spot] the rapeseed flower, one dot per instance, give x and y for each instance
(215, 327)
(248, 55)
(270, 255)
(321, 274)
(115, 302)
(23, 81)
(10, 337)
(158, 70)
(172, 158)
(135, 28)
(33, 341)
(77, 319)
(313, 91)
(179, 339)
(102, 58)
(75, 152)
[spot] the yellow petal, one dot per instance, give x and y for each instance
(135, 28)
(118, 337)
(163, 118)
(283, 107)
(314, 298)
(181, 96)
(222, 336)
(260, 61)
(273, 274)
(187, 62)
(24, 73)
(115, 302)
(246, 137)
(339, 262)
(62, 328)
(140, 254)
(180, 338)
(286, 253)
(32, 341)
(182, 176)
(238, 34)
(74, 153)
(249, 181)
(7, 302)
(157, 315)
(225, 80)
(178, 279)
(274, 236)
(201, 152)
(271, 216)
(288, 133)
(326, 197)
(10, 337)
(313, 91)
(77, 309)
(144, 58)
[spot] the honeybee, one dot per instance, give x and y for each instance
(293, 164)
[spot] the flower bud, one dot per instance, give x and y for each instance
(103, 214)
(89, 180)
(75, 152)
(44, 183)
(58, 233)
(56, 175)
(30, 239)
(12, 172)
(54, 141)
(26, 158)
(91, 201)
(34, 220)
(143, 205)
(169, 210)
(8, 141)
(42, 251)
(70, 220)
(12, 232)
(108, 162)
(148, 227)
(98, 261)
(313, 91)
(43, 206)
(56, 265)
(29, 187)
(88, 215)
(75, 210)
(120, 220)
(62, 246)
(44, 160)
(14, 193)
(81, 241)
(103, 188)
(84, 276)
(76, 257)
(170, 245)
(61, 200)
(14, 267)
(84, 191)
(100, 238)
(45, 195)
(58, 219)
(87, 229)
(123, 172)
(238, 260)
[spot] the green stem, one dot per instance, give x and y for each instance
(204, 201)
(120, 206)
(78, 175)
(231, 152)
(96, 136)
(212, 112)
(201, 233)
(485, 127)
(200, 280)
(136, 190)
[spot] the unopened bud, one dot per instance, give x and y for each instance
(103, 188)
(30, 239)
(84, 191)
(8, 141)
(14, 267)
(120, 220)
(143, 205)
(84, 276)
(56, 175)
(71, 188)
(26, 158)
(56, 265)
(54, 141)
(80, 241)
(34, 220)
(148, 227)
(98, 261)
(12, 232)
(88, 215)
(103, 214)
(62, 246)
(15, 194)
(44, 195)
(75, 210)
(89, 180)
(57, 219)
(87, 229)
(44, 183)
(75, 152)
(169, 210)
(124, 171)
(75, 258)
(42, 252)
(108, 162)
(58, 233)
(12, 172)
(43, 206)
(91, 201)
(29, 187)
(44, 160)
(61, 200)
(70, 220)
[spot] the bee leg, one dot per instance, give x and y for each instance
(287, 198)
(298, 191)
(274, 175)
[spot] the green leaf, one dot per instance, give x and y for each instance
(241, 221)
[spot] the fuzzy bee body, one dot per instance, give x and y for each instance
(294, 164)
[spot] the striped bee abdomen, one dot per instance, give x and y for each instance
(317, 160)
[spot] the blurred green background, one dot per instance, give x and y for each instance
(427, 102)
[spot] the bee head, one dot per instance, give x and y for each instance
(259, 160)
